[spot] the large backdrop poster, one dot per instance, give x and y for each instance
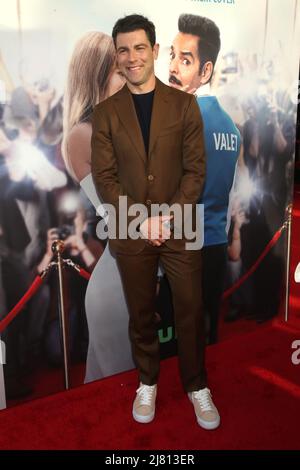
(56, 63)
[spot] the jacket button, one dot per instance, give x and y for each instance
(150, 177)
(148, 202)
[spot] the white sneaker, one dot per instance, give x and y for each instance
(143, 409)
(297, 273)
(206, 413)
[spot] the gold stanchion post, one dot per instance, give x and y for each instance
(58, 248)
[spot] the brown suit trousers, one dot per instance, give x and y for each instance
(139, 276)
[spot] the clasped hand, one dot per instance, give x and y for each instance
(156, 230)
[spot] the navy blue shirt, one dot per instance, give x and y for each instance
(143, 106)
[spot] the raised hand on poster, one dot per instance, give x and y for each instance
(5, 143)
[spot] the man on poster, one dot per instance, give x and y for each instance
(147, 144)
(193, 55)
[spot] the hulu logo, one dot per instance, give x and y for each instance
(166, 335)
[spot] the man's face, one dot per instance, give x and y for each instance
(135, 56)
(184, 63)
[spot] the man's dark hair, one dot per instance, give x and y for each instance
(209, 42)
(132, 23)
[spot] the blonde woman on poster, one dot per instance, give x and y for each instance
(92, 77)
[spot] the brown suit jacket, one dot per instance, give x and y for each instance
(172, 172)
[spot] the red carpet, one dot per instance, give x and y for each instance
(254, 383)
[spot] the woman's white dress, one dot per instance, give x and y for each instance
(109, 350)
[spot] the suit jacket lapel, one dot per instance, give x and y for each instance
(126, 110)
(159, 112)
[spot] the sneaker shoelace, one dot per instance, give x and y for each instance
(145, 393)
(204, 398)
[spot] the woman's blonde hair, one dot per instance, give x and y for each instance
(90, 67)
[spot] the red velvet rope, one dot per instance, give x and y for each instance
(240, 281)
(236, 285)
(21, 304)
(84, 274)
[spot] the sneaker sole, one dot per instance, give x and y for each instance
(209, 426)
(143, 419)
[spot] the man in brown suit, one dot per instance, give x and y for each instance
(147, 145)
